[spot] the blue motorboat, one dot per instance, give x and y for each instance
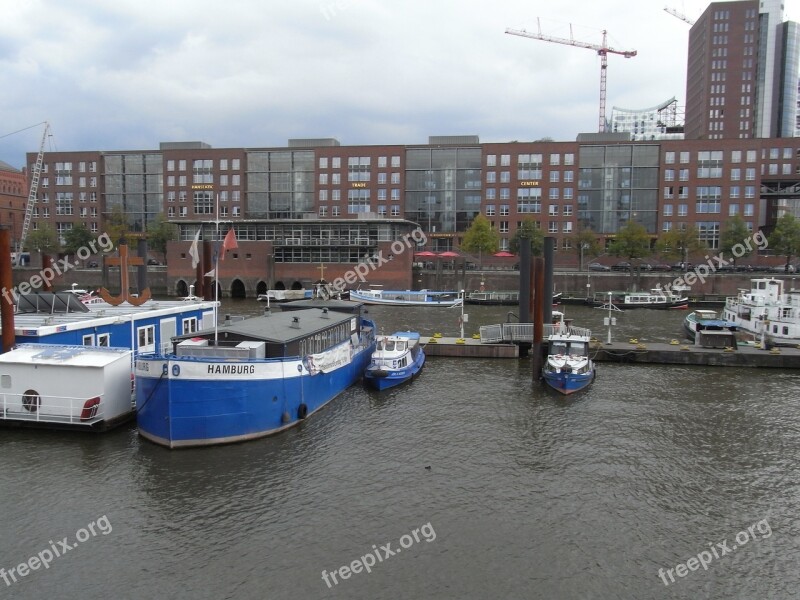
(398, 358)
(251, 378)
(568, 367)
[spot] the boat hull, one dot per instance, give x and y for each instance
(396, 299)
(203, 402)
(382, 378)
(568, 383)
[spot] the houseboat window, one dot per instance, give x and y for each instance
(190, 325)
(785, 331)
(401, 346)
(5, 381)
(104, 339)
(559, 348)
(88, 340)
(390, 345)
(147, 337)
(774, 329)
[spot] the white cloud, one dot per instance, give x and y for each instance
(133, 73)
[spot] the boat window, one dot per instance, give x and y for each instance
(559, 348)
(401, 346)
(578, 349)
(389, 345)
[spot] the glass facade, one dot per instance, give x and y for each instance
(443, 187)
(617, 184)
(133, 183)
(280, 184)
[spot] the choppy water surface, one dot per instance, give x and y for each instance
(529, 495)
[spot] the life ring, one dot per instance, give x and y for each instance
(90, 408)
(31, 401)
(302, 411)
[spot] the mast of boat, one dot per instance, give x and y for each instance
(216, 276)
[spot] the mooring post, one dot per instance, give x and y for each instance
(538, 316)
(524, 281)
(549, 255)
(7, 283)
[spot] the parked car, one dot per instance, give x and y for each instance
(681, 266)
(598, 267)
(153, 261)
(661, 267)
(782, 269)
(645, 266)
(621, 266)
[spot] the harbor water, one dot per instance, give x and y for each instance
(472, 481)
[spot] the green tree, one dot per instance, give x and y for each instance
(680, 243)
(586, 244)
(632, 242)
(76, 238)
(529, 229)
(785, 238)
(734, 233)
(44, 240)
(159, 232)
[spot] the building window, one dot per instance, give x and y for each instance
(491, 193)
(503, 226)
(669, 158)
(683, 210)
(395, 178)
(395, 162)
(569, 160)
(504, 210)
(684, 158)
(552, 227)
(323, 195)
(555, 160)
(236, 211)
(323, 211)
(395, 210)
(491, 160)
(490, 210)
(505, 160)
(382, 162)
(552, 210)
(568, 210)
(335, 211)
(323, 179)
(336, 162)
(668, 210)
(381, 178)
(491, 177)
(555, 176)
(505, 177)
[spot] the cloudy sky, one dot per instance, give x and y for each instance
(128, 74)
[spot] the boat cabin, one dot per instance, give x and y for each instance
(274, 335)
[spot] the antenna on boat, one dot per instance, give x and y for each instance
(216, 276)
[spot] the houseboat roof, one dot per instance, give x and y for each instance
(60, 355)
(97, 314)
(333, 304)
(279, 327)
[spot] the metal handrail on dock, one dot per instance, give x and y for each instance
(523, 332)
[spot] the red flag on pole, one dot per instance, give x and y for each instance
(229, 243)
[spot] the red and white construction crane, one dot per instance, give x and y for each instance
(603, 50)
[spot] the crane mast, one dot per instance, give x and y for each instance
(602, 50)
(32, 191)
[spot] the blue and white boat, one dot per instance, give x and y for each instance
(568, 367)
(707, 321)
(406, 297)
(250, 378)
(398, 358)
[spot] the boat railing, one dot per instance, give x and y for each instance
(52, 409)
(559, 329)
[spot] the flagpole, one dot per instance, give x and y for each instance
(216, 278)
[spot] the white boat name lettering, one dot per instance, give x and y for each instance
(231, 369)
